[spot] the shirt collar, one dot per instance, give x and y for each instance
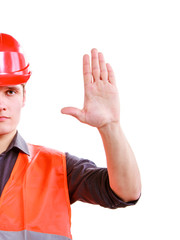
(18, 142)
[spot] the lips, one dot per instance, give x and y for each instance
(4, 118)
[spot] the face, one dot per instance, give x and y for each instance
(12, 99)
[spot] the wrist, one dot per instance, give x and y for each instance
(110, 128)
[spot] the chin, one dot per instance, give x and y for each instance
(6, 131)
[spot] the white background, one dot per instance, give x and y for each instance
(141, 40)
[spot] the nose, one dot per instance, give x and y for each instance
(2, 105)
(2, 108)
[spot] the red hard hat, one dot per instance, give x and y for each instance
(13, 67)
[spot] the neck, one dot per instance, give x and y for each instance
(5, 140)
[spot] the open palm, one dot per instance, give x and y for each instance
(101, 98)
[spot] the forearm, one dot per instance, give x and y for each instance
(123, 171)
(101, 110)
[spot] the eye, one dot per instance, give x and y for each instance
(10, 92)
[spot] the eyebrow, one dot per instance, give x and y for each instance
(10, 87)
(13, 87)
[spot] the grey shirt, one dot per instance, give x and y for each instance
(86, 182)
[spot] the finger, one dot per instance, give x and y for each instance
(103, 68)
(95, 64)
(72, 111)
(111, 76)
(86, 69)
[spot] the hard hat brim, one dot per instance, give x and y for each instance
(13, 79)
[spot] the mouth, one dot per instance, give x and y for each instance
(4, 118)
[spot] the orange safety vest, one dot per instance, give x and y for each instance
(34, 204)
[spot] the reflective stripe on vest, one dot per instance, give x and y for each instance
(29, 235)
(35, 201)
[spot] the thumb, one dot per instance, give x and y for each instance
(72, 111)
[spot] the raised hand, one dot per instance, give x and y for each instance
(101, 109)
(101, 98)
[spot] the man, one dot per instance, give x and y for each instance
(38, 184)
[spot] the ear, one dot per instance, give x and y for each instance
(24, 97)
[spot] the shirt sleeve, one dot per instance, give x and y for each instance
(89, 183)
